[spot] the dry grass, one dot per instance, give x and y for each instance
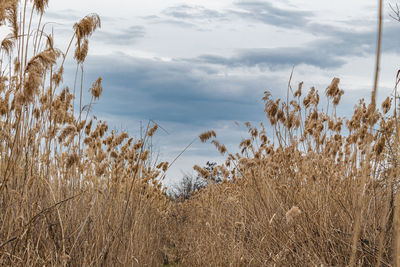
(71, 192)
(320, 191)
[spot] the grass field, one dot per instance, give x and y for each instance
(72, 193)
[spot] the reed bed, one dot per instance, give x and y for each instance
(320, 191)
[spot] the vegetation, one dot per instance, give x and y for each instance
(189, 184)
(321, 191)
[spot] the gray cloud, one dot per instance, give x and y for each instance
(182, 92)
(267, 13)
(359, 42)
(332, 46)
(263, 12)
(330, 50)
(72, 16)
(175, 91)
(123, 37)
(192, 12)
(174, 22)
(69, 15)
(187, 16)
(317, 54)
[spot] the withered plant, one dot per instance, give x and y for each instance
(72, 193)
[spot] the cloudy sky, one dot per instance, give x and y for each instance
(197, 65)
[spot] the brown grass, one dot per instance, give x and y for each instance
(321, 191)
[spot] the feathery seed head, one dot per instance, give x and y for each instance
(152, 130)
(221, 148)
(298, 92)
(292, 213)
(96, 88)
(333, 89)
(207, 135)
(40, 5)
(386, 105)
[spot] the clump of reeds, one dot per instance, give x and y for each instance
(319, 188)
(71, 193)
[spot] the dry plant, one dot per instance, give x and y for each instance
(72, 193)
(312, 198)
(321, 191)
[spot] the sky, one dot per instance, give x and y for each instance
(199, 65)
